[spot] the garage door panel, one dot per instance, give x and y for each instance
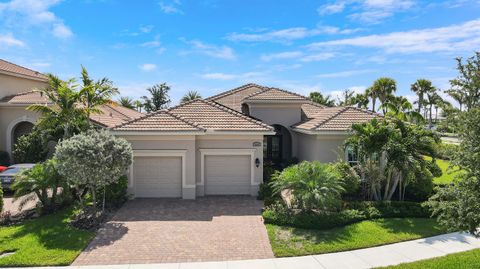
(225, 174)
(158, 176)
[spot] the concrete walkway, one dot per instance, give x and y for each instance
(393, 254)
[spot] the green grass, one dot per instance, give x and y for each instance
(448, 173)
(463, 260)
(288, 241)
(48, 240)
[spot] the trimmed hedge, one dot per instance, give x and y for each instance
(353, 212)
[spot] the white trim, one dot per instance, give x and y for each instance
(273, 101)
(231, 152)
(214, 132)
(310, 132)
(10, 128)
(163, 153)
(146, 133)
(13, 74)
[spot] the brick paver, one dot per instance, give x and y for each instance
(171, 230)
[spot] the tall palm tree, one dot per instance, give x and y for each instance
(458, 96)
(432, 99)
(126, 102)
(318, 98)
(138, 105)
(420, 88)
(361, 100)
(190, 95)
(383, 88)
(95, 93)
(63, 110)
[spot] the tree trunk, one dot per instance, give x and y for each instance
(394, 186)
(94, 200)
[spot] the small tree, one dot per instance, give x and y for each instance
(318, 97)
(93, 160)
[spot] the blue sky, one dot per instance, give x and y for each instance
(211, 46)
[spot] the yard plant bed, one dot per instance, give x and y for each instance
(45, 241)
(462, 260)
(289, 241)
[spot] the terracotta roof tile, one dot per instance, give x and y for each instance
(214, 116)
(27, 98)
(336, 119)
(161, 120)
(310, 110)
(12, 68)
(276, 94)
(234, 98)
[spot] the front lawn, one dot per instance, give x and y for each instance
(48, 240)
(462, 260)
(288, 241)
(448, 173)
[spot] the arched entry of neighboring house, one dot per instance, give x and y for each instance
(278, 147)
(16, 129)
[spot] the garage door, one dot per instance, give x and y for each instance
(157, 176)
(227, 174)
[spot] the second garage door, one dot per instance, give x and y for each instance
(157, 176)
(226, 174)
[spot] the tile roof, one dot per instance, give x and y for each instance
(234, 98)
(111, 114)
(336, 119)
(214, 116)
(310, 110)
(275, 94)
(161, 120)
(12, 68)
(25, 98)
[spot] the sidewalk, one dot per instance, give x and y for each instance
(393, 254)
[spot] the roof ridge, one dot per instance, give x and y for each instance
(196, 125)
(160, 111)
(234, 90)
(266, 89)
(34, 71)
(113, 107)
(137, 119)
(365, 111)
(236, 113)
(278, 89)
(332, 116)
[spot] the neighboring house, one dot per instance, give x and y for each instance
(218, 146)
(17, 85)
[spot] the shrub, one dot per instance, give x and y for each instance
(279, 214)
(390, 209)
(349, 176)
(43, 183)
(115, 193)
(313, 185)
(446, 151)
(93, 160)
(1, 199)
(4, 158)
(30, 148)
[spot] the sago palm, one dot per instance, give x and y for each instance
(190, 95)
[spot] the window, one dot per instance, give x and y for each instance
(351, 155)
(272, 147)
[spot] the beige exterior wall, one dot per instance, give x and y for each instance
(282, 114)
(323, 148)
(10, 116)
(193, 146)
(10, 85)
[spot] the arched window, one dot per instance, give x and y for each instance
(22, 128)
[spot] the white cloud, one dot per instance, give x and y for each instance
(318, 57)
(344, 74)
(281, 55)
(152, 44)
(171, 8)
(62, 31)
(460, 37)
(222, 52)
(226, 76)
(8, 40)
(287, 34)
(34, 13)
(367, 11)
(148, 67)
(146, 28)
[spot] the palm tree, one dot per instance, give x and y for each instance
(63, 110)
(383, 88)
(95, 93)
(138, 105)
(318, 98)
(421, 87)
(458, 96)
(159, 97)
(361, 100)
(347, 98)
(126, 102)
(399, 107)
(190, 95)
(431, 100)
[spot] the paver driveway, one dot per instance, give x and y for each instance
(172, 230)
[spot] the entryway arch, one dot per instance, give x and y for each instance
(16, 129)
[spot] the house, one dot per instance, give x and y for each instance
(218, 146)
(215, 146)
(17, 85)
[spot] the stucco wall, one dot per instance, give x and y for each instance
(10, 116)
(282, 114)
(230, 142)
(320, 147)
(10, 85)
